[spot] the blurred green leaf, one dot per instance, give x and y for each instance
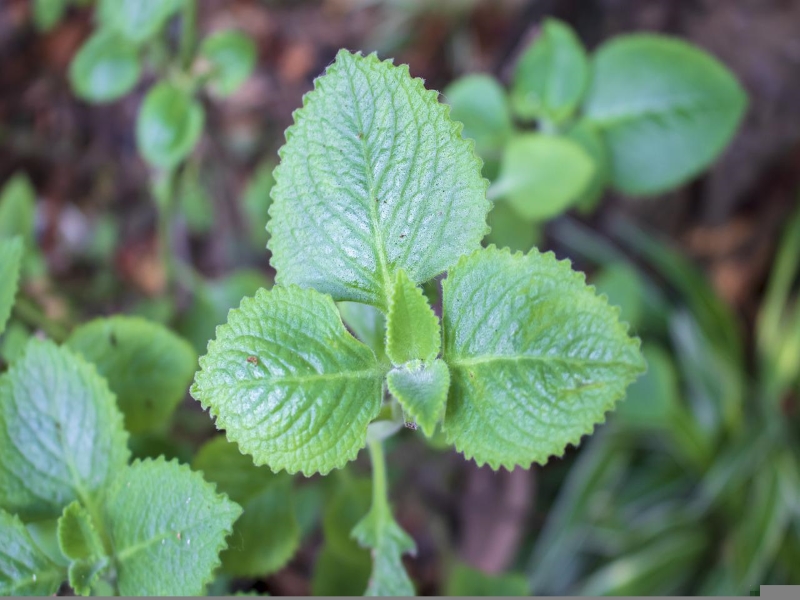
(10, 259)
(13, 341)
(479, 102)
(542, 175)
(267, 534)
(105, 68)
(138, 20)
(337, 574)
(653, 397)
(196, 203)
(18, 209)
(148, 367)
(48, 13)
(551, 76)
(666, 108)
(256, 201)
(169, 125)
(509, 231)
(367, 323)
(624, 288)
(466, 581)
(589, 138)
(232, 55)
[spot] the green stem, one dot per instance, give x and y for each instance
(31, 314)
(165, 203)
(380, 486)
(188, 34)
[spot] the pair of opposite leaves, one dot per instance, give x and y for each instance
(378, 192)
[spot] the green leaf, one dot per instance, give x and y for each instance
(169, 125)
(148, 367)
(18, 209)
(551, 76)
(232, 56)
(105, 68)
(256, 201)
(167, 527)
(466, 581)
(653, 399)
(588, 137)
(138, 20)
(24, 569)
(267, 534)
(536, 357)
(289, 384)
(61, 435)
(666, 108)
(10, 259)
(480, 103)
(542, 175)
(623, 287)
(367, 323)
(85, 574)
(421, 388)
(337, 575)
(374, 177)
(389, 542)
(48, 13)
(509, 231)
(412, 330)
(77, 537)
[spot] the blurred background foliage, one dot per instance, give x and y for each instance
(693, 484)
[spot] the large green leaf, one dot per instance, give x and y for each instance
(148, 367)
(61, 435)
(288, 383)
(10, 259)
(667, 110)
(167, 527)
(412, 330)
(551, 76)
(138, 20)
(169, 125)
(542, 175)
(24, 569)
(267, 534)
(536, 357)
(374, 177)
(105, 68)
(479, 102)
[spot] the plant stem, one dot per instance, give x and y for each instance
(380, 486)
(188, 34)
(27, 311)
(165, 203)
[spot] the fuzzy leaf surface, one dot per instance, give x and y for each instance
(61, 434)
(666, 109)
(148, 367)
(24, 569)
(288, 382)
(552, 74)
(77, 537)
(10, 264)
(374, 177)
(536, 357)
(267, 534)
(412, 330)
(167, 527)
(421, 388)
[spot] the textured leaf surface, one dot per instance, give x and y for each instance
(10, 263)
(169, 125)
(288, 383)
(138, 20)
(266, 536)
(24, 569)
(542, 175)
(367, 323)
(167, 527)
(77, 536)
(480, 103)
(232, 56)
(105, 68)
(666, 108)
(412, 330)
(421, 388)
(148, 367)
(374, 177)
(536, 357)
(552, 75)
(61, 435)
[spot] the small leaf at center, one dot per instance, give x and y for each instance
(413, 330)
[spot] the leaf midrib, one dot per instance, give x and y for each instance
(471, 361)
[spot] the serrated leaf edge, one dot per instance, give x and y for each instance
(623, 327)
